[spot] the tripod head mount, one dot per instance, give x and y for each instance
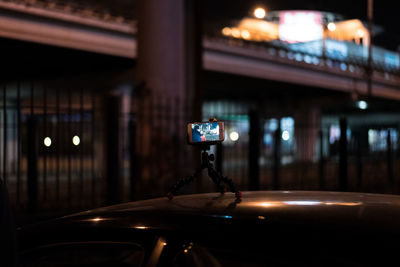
(203, 135)
(206, 158)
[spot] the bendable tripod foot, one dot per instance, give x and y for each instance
(216, 177)
(170, 196)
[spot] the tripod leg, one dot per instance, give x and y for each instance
(183, 182)
(232, 187)
(215, 177)
(218, 177)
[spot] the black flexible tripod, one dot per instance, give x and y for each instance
(216, 177)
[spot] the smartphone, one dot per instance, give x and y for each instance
(205, 132)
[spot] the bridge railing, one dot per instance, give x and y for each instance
(345, 57)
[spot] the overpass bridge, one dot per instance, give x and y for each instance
(116, 36)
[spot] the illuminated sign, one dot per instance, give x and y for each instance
(300, 26)
(392, 59)
(336, 49)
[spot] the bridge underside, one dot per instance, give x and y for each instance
(285, 98)
(35, 25)
(50, 42)
(261, 64)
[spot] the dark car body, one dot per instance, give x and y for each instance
(266, 228)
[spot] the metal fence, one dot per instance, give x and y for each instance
(65, 150)
(71, 149)
(309, 157)
(48, 141)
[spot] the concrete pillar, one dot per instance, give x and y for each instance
(169, 62)
(161, 46)
(168, 44)
(115, 120)
(307, 124)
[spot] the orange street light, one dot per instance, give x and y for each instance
(260, 13)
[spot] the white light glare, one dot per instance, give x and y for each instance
(362, 104)
(245, 35)
(76, 140)
(47, 141)
(234, 136)
(285, 135)
(259, 13)
(302, 202)
(141, 227)
(360, 33)
(331, 26)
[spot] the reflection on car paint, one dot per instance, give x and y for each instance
(300, 203)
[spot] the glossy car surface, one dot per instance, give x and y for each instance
(271, 228)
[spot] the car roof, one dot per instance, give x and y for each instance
(347, 227)
(347, 208)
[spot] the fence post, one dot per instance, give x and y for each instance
(359, 161)
(343, 155)
(389, 158)
(254, 150)
(397, 158)
(113, 145)
(321, 161)
(133, 171)
(277, 156)
(219, 157)
(5, 178)
(32, 161)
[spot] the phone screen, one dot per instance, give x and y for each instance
(205, 132)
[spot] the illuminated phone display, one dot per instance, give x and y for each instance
(205, 132)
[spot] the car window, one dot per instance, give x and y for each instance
(200, 256)
(85, 254)
(196, 256)
(257, 254)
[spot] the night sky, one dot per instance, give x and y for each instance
(385, 13)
